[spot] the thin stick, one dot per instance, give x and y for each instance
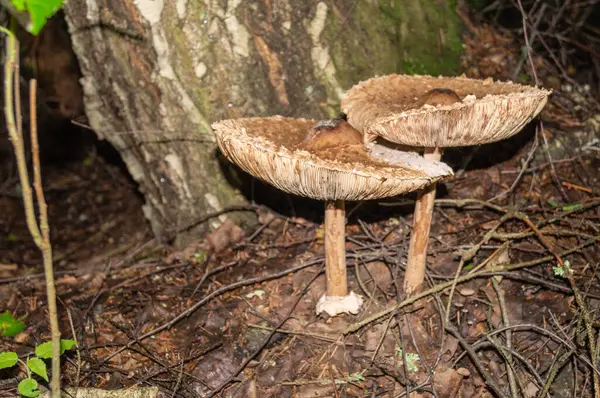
(17, 91)
(74, 333)
(46, 248)
(475, 359)
(335, 251)
(588, 324)
(512, 381)
(417, 250)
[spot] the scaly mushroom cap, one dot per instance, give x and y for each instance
(275, 150)
(426, 111)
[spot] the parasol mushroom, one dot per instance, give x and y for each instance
(435, 113)
(326, 161)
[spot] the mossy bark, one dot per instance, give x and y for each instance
(158, 72)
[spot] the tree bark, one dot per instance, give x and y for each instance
(156, 73)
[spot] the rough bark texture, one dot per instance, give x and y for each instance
(158, 72)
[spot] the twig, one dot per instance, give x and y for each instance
(553, 173)
(512, 352)
(178, 381)
(509, 361)
(556, 366)
(380, 343)
(460, 203)
(528, 42)
(77, 348)
(540, 236)
(521, 172)
(588, 323)
(527, 45)
(540, 330)
(211, 272)
(475, 359)
(449, 305)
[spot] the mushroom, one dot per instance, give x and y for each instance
(326, 161)
(435, 113)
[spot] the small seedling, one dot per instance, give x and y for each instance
(28, 387)
(357, 377)
(561, 270)
(199, 256)
(411, 359)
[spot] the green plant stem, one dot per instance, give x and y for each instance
(24, 364)
(41, 238)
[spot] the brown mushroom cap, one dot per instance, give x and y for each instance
(269, 149)
(401, 109)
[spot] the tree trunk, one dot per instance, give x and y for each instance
(156, 73)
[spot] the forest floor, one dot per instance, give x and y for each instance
(234, 314)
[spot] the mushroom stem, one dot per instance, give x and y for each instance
(335, 250)
(417, 250)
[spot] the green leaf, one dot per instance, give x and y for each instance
(66, 345)
(9, 326)
(39, 11)
(18, 4)
(558, 271)
(8, 359)
(552, 203)
(29, 388)
(574, 206)
(44, 350)
(38, 367)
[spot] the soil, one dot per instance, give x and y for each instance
(234, 314)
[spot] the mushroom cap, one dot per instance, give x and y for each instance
(268, 148)
(396, 108)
